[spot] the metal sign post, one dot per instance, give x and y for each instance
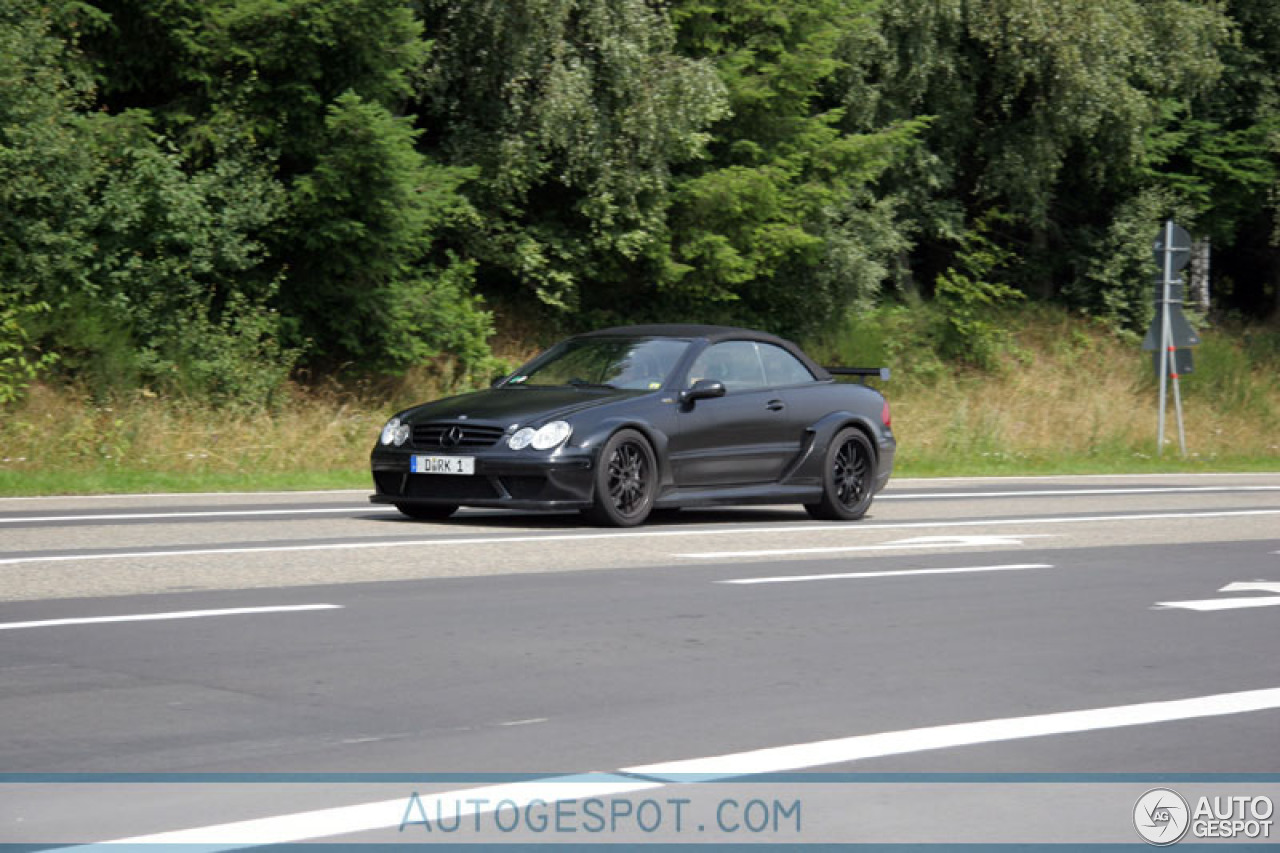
(1167, 370)
(1172, 253)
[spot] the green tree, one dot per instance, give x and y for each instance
(1232, 155)
(365, 217)
(783, 225)
(314, 85)
(176, 265)
(574, 112)
(123, 241)
(277, 65)
(970, 295)
(46, 159)
(1044, 109)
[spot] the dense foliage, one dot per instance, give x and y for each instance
(200, 196)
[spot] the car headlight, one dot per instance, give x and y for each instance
(520, 440)
(395, 432)
(552, 435)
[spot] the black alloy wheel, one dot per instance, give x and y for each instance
(626, 481)
(848, 478)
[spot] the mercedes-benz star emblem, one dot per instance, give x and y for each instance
(451, 437)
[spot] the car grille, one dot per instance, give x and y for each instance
(454, 436)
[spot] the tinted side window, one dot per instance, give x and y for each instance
(781, 367)
(735, 363)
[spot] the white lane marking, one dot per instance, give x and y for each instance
(384, 814)
(345, 820)
(364, 510)
(532, 721)
(1042, 478)
(174, 495)
(1012, 567)
(842, 750)
(1254, 586)
(896, 481)
(896, 545)
(640, 534)
(159, 617)
(1041, 493)
(1209, 604)
(214, 513)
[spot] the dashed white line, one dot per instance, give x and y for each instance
(1013, 567)
(160, 617)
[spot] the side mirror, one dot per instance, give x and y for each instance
(703, 389)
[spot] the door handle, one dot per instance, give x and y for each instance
(775, 406)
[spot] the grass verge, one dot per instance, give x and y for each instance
(1066, 397)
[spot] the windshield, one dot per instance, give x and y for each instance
(631, 363)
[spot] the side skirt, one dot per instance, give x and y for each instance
(739, 495)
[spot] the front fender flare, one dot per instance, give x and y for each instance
(659, 440)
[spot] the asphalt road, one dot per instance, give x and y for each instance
(1114, 625)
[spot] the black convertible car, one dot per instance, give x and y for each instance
(622, 421)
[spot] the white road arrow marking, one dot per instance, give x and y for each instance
(1207, 604)
(905, 573)
(976, 541)
(1257, 586)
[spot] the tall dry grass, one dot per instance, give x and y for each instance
(1069, 396)
(59, 429)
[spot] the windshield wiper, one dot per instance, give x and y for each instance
(582, 383)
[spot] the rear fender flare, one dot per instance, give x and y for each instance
(809, 466)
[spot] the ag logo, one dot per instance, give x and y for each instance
(1161, 817)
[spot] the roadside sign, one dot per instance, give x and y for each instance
(1180, 332)
(1181, 362)
(1170, 333)
(1180, 245)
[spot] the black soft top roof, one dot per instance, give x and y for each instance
(713, 334)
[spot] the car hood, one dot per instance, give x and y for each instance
(522, 405)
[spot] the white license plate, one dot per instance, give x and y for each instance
(443, 465)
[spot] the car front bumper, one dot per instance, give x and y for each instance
(560, 479)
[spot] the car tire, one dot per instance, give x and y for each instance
(848, 478)
(626, 481)
(428, 512)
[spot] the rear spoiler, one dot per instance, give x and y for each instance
(881, 373)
